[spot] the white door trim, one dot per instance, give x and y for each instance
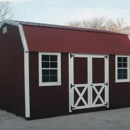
(90, 82)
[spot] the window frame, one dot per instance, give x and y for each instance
(116, 69)
(58, 83)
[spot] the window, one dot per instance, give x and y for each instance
(49, 69)
(122, 68)
(4, 30)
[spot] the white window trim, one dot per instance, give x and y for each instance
(122, 80)
(59, 70)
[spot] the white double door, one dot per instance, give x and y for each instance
(88, 75)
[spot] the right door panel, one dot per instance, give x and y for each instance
(99, 81)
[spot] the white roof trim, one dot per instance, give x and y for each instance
(21, 31)
(23, 38)
(9, 22)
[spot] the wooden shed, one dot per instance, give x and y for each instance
(49, 70)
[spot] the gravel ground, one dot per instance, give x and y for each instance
(118, 119)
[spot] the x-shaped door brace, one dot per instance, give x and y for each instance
(80, 94)
(98, 95)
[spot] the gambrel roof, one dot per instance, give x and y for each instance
(54, 38)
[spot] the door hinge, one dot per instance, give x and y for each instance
(72, 108)
(106, 84)
(106, 57)
(106, 104)
(71, 85)
(71, 55)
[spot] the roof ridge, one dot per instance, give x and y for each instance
(66, 27)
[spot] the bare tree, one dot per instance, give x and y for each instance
(5, 10)
(118, 25)
(111, 26)
(75, 24)
(94, 23)
(97, 23)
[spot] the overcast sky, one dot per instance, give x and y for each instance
(62, 11)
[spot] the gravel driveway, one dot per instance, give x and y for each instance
(118, 119)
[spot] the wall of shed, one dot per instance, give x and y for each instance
(50, 100)
(11, 71)
(119, 93)
(54, 100)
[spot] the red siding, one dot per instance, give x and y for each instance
(50, 100)
(119, 93)
(54, 100)
(98, 70)
(11, 71)
(80, 70)
(45, 39)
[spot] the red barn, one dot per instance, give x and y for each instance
(49, 70)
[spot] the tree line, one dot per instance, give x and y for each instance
(118, 25)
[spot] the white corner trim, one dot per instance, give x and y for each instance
(21, 31)
(70, 80)
(26, 71)
(26, 84)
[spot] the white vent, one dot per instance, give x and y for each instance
(4, 30)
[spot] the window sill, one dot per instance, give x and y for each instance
(122, 81)
(50, 84)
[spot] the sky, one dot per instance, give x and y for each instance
(61, 12)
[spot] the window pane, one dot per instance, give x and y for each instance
(119, 76)
(45, 64)
(53, 72)
(119, 64)
(124, 76)
(49, 68)
(45, 78)
(53, 78)
(125, 71)
(45, 57)
(120, 71)
(124, 64)
(53, 65)
(53, 58)
(124, 59)
(119, 59)
(45, 72)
